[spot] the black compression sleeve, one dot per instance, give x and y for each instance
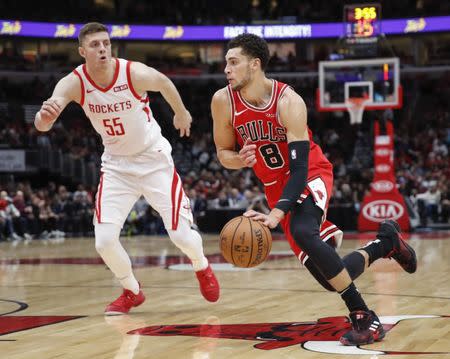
(298, 164)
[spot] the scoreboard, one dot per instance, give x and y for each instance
(362, 21)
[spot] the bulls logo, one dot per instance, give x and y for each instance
(380, 210)
(17, 323)
(320, 336)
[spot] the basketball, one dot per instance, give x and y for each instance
(244, 242)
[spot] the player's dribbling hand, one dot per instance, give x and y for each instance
(247, 153)
(183, 122)
(269, 220)
(50, 111)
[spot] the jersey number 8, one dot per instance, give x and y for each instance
(271, 155)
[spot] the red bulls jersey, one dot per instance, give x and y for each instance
(263, 127)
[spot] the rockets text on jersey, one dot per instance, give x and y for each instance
(121, 116)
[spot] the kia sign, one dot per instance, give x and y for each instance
(383, 186)
(378, 211)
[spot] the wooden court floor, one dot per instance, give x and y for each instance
(52, 297)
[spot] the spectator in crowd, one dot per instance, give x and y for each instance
(8, 212)
(428, 203)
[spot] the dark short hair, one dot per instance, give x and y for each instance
(90, 28)
(252, 46)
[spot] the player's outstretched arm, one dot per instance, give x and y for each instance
(66, 90)
(145, 78)
(224, 136)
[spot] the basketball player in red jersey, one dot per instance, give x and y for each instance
(136, 160)
(268, 121)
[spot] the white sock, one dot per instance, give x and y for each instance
(114, 255)
(200, 264)
(130, 283)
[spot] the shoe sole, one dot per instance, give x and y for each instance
(379, 339)
(411, 250)
(113, 313)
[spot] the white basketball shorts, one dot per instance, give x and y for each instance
(150, 173)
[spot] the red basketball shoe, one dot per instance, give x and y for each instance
(125, 302)
(209, 286)
(366, 329)
(402, 252)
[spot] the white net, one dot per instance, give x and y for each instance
(355, 107)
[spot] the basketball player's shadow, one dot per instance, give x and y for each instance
(209, 336)
(123, 324)
(205, 345)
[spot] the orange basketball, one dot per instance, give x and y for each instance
(245, 242)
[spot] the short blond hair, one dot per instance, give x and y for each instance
(90, 28)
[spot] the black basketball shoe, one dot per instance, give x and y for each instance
(366, 329)
(401, 251)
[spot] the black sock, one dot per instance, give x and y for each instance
(353, 299)
(377, 248)
(355, 264)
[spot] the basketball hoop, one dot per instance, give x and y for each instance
(355, 107)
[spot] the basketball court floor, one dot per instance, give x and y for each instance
(52, 297)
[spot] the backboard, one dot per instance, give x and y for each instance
(376, 80)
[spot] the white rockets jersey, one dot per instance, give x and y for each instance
(121, 116)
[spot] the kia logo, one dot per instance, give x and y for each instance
(382, 168)
(382, 186)
(377, 211)
(382, 152)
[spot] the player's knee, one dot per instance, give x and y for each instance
(105, 236)
(303, 234)
(182, 238)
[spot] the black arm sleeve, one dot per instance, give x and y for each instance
(298, 164)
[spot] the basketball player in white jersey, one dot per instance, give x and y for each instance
(136, 160)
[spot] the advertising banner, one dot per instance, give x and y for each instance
(219, 33)
(384, 201)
